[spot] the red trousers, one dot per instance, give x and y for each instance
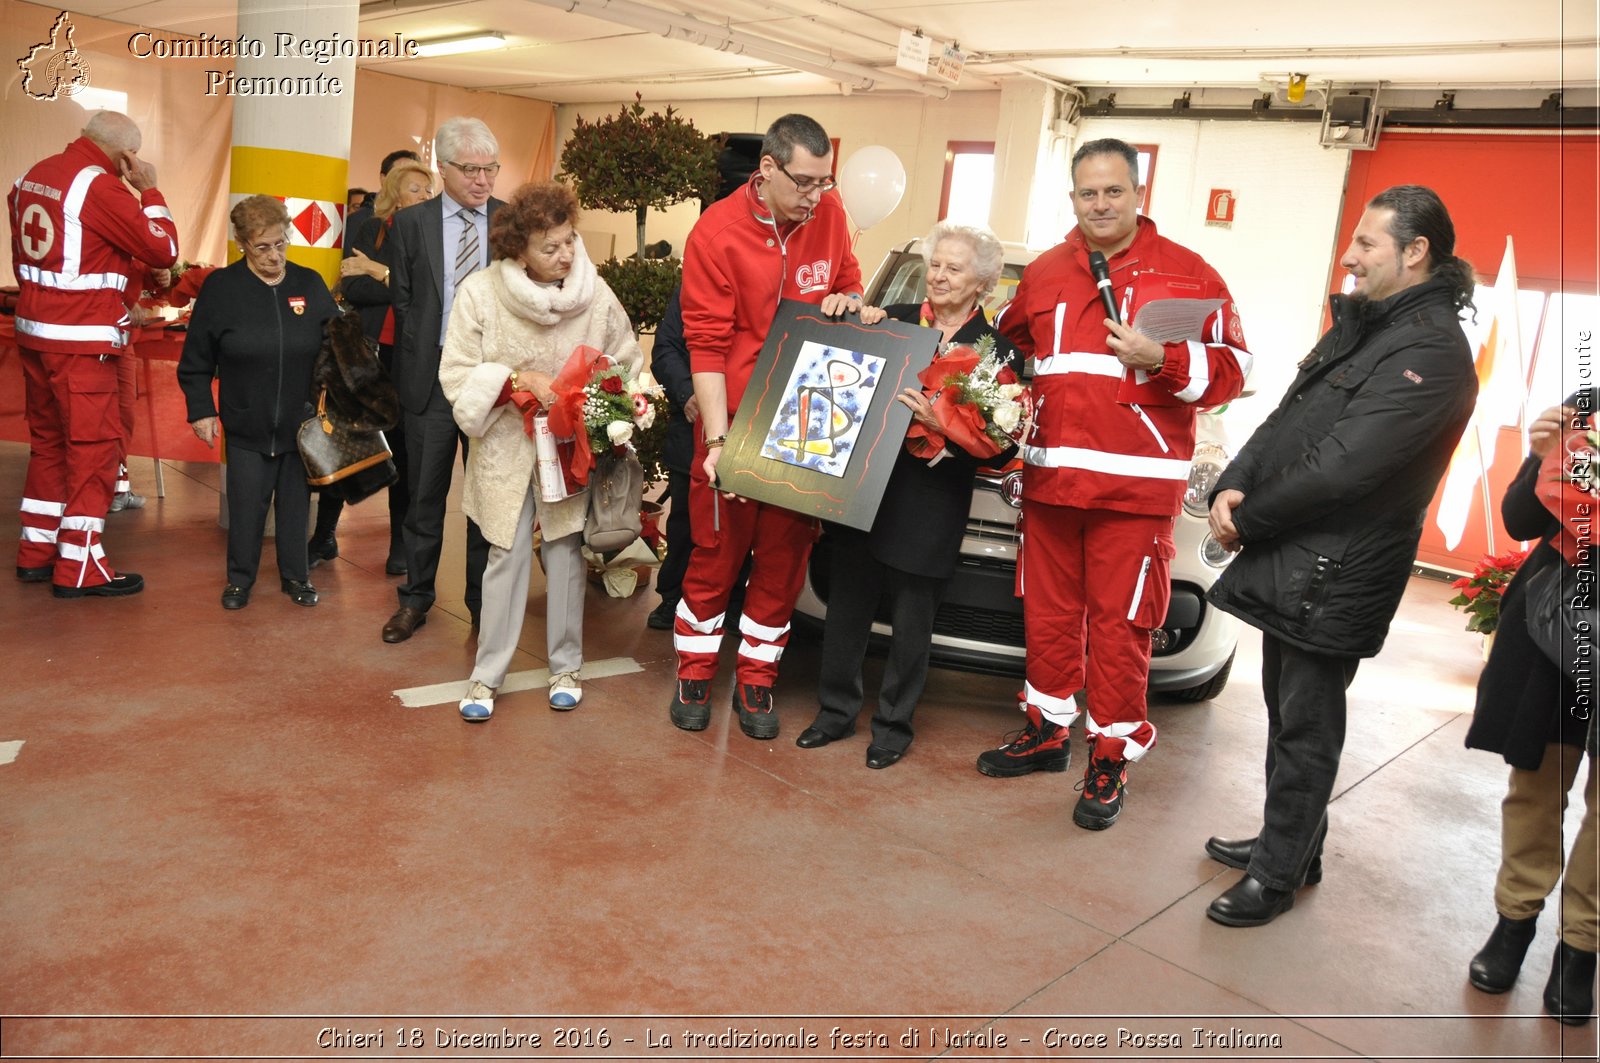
(779, 542)
(127, 401)
(1093, 585)
(75, 437)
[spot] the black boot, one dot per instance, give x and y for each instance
(1569, 995)
(323, 546)
(1494, 969)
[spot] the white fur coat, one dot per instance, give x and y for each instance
(500, 321)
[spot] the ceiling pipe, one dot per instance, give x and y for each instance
(693, 31)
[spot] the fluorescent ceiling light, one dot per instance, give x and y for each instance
(465, 42)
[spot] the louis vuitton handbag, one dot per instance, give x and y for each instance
(344, 459)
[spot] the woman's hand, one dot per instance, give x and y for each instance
(921, 408)
(207, 428)
(1546, 429)
(359, 264)
(540, 385)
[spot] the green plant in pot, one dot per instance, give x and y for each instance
(633, 162)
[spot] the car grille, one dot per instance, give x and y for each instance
(979, 625)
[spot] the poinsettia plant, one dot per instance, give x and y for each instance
(1479, 594)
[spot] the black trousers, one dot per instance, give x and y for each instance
(669, 580)
(255, 481)
(858, 583)
(1304, 692)
(431, 439)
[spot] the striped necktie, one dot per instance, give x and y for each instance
(467, 249)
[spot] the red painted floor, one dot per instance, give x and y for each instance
(217, 814)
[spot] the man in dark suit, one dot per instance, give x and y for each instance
(435, 246)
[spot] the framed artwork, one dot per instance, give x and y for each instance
(818, 429)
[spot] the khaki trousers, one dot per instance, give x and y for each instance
(1531, 858)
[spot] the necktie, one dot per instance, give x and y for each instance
(467, 249)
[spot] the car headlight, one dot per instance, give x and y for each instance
(1204, 472)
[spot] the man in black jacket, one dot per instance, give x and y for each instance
(1325, 504)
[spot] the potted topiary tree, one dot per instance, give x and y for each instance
(635, 161)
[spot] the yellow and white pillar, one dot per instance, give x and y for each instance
(291, 133)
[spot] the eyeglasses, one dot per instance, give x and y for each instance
(472, 172)
(807, 185)
(267, 249)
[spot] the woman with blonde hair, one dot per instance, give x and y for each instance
(364, 284)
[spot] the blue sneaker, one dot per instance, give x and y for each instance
(478, 705)
(565, 692)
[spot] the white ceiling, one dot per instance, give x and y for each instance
(557, 54)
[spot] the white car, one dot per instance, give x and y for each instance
(979, 625)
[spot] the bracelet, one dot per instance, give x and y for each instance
(513, 379)
(716, 441)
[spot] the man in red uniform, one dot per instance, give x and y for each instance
(75, 235)
(1103, 477)
(782, 236)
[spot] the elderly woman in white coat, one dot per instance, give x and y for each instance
(512, 328)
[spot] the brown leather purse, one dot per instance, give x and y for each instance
(333, 450)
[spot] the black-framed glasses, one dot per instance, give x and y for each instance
(807, 185)
(472, 171)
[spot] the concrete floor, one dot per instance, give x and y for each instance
(207, 814)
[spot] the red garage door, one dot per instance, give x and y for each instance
(1540, 189)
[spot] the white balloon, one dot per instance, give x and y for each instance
(872, 182)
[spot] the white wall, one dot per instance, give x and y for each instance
(1280, 256)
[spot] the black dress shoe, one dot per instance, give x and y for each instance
(300, 591)
(1494, 969)
(1236, 853)
(321, 549)
(878, 757)
(660, 618)
(814, 737)
(122, 583)
(1250, 903)
(403, 623)
(235, 596)
(1569, 995)
(41, 574)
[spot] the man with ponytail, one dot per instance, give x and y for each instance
(1325, 505)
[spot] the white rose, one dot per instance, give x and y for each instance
(1011, 391)
(1007, 416)
(619, 432)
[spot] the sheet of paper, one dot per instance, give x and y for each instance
(1174, 320)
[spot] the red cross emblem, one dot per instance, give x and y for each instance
(37, 233)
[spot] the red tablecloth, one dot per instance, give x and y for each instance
(161, 426)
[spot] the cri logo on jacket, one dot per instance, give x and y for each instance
(813, 277)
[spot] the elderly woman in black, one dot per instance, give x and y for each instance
(908, 557)
(1533, 715)
(256, 329)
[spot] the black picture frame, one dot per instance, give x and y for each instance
(851, 498)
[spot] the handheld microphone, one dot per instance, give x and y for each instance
(1102, 280)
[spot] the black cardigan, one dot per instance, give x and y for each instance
(259, 341)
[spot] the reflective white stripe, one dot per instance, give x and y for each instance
(1061, 318)
(39, 505)
(71, 214)
(1243, 359)
(1138, 588)
(1199, 372)
(1077, 362)
(108, 334)
(703, 626)
(1131, 750)
(74, 552)
(158, 212)
(761, 631)
(765, 651)
(697, 643)
(80, 282)
(1102, 461)
(38, 535)
(1056, 710)
(88, 524)
(1148, 423)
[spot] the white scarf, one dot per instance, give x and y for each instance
(546, 304)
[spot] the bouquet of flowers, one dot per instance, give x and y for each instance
(1569, 482)
(596, 408)
(1479, 594)
(980, 404)
(614, 408)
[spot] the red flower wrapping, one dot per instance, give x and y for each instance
(962, 422)
(566, 413)
(188, 286)
(1568, 469)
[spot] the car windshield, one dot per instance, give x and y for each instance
(902, 283)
